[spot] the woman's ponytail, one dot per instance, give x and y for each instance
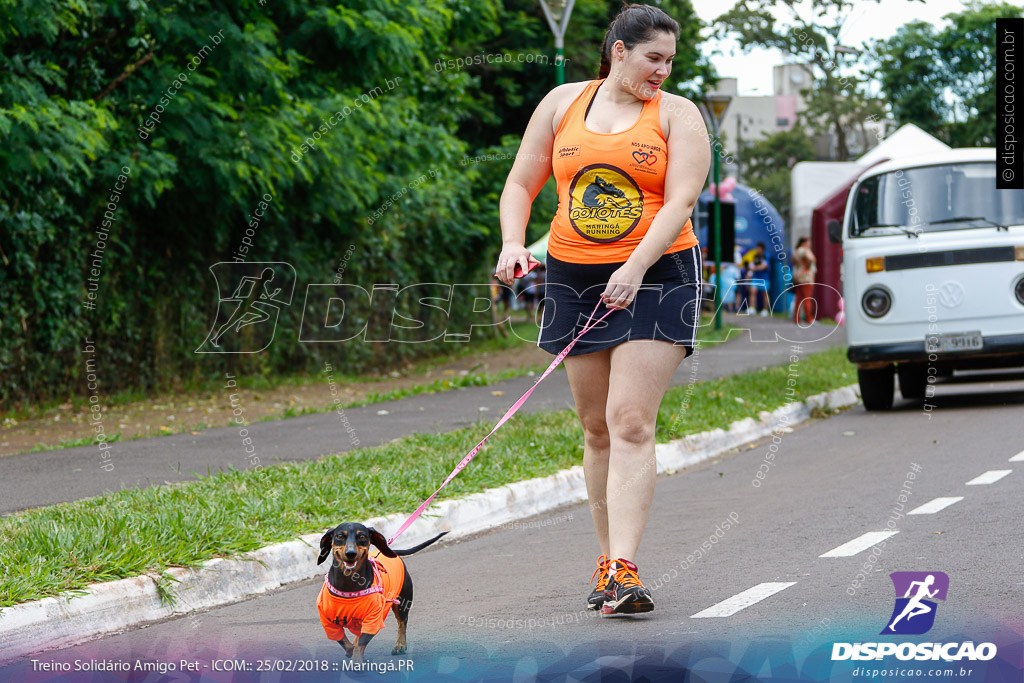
(606, 55)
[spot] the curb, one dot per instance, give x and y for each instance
(118, 605)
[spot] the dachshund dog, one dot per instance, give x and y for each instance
(359, 590)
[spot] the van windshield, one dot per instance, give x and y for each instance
(934, 199)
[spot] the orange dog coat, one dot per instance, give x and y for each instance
(362, 611)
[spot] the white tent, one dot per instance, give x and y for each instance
(814, 181)
(539, 249)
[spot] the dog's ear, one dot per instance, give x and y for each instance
(378, 541)
(326, 541)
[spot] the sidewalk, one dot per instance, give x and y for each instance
(47, 478)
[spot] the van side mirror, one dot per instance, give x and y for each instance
(835, 231)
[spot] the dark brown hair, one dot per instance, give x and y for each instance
(634, 24)
(800, 241)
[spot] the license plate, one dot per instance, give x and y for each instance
(954, 343)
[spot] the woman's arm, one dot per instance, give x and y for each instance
(530, 171)
(689, 157)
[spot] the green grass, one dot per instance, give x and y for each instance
(525, 330)
(46, 551)
(707, 405)
(71, 443)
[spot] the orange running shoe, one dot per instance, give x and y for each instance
(625, 593)
(596, 599)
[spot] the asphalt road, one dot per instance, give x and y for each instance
(50, 477)
(830, 482)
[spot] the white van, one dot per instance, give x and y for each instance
(933, 272)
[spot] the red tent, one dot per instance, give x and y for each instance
(829, 255)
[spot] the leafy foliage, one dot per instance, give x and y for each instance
(838, 100)
(944, 80)
(331, 108)
(768, 163)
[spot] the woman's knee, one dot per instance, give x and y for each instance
(595, 431)
(626, 423)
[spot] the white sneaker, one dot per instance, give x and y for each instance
(764, 314)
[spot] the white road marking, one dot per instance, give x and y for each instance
(732, 605)
(936, 505)
(990, 477)
(1018, 458)
(859, 544)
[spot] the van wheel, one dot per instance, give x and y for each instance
(913, 379)
(876, 387)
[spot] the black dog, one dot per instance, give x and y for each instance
(357, 593)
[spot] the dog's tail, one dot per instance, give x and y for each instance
(421, 546)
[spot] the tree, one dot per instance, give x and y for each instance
(944, 80)
(329, 108)
(510, 87)
(339, 110)
(838, 102)
(768, 161)
(511, 68)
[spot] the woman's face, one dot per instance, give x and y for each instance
(643, 69)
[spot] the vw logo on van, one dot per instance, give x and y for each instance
(951, 294)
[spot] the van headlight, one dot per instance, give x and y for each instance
(1019, 290)
(876, 302)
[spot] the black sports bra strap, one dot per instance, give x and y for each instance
(589, 105)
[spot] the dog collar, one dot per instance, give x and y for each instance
(375, 588)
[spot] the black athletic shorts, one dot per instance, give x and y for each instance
(666, 307)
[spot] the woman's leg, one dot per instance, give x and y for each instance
(799, 292)
(640, 374)
(811, 306)
(588, 379)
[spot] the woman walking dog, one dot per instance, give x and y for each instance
(630, 162)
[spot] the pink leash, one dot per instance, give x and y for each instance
(511, 411)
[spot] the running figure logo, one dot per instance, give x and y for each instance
(914, 613)
(247, 318)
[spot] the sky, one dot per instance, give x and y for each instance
(867, 21)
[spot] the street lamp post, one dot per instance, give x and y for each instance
(557, 13)
(714, 107)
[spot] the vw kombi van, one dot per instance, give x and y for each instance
(933, 272)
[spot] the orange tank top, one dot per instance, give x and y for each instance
(610, 185)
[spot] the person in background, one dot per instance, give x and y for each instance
(805, 269)
(756, 272)
(730, 274)
(502, 295)
(528, 291)
(538, 285)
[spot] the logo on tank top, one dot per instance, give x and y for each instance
(605, 203)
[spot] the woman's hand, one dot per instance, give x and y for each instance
(511, 254)
(622, 286)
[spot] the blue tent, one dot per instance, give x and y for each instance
(756, 221)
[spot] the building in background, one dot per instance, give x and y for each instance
(750, 118)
